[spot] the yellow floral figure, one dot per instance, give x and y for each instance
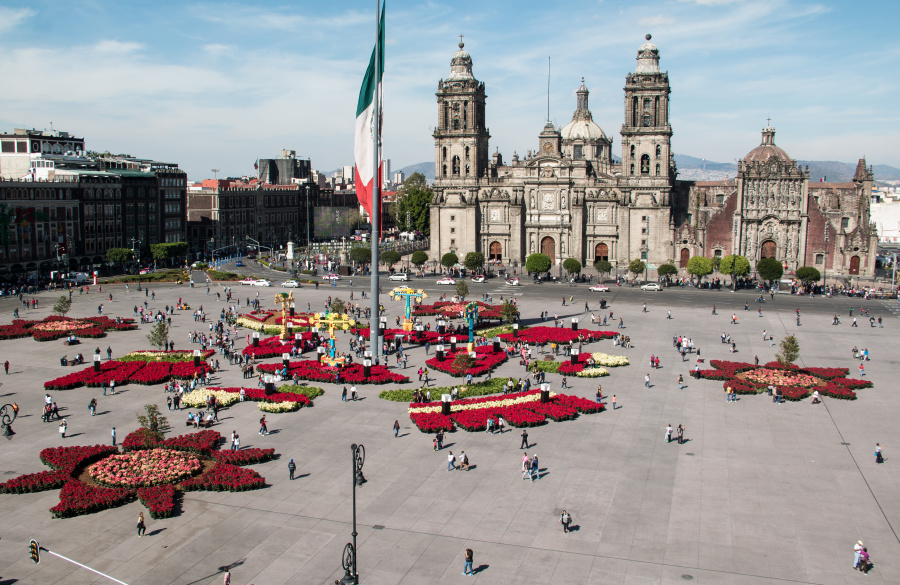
(408, 293)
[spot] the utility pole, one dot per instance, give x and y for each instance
(215, 174)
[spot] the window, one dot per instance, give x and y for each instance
(456, 165)
(658, 151)
(632, 168)
(645, 218)
(645, 164)
(643, 242)
(467, 153)
(845, 223)
(444, 152)
(644, 230)
(657, 169)
(720, 198)
(452, 243)
(820, 258)
(643, 255)
(578, 152)
(718, 253)
(452, 218)
(632, 151)
(453, 230)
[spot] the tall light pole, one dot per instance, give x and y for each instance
(215, 174)
(348, 559)
(825, 260)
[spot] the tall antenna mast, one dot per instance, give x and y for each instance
(548, 89)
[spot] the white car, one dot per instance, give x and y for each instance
(249, 280)
(401, 276)
(512, 282)
(261, 282)
(599, 288)
(331, 276)
(651, 286)
(290, 284)
(478, 278)
(446, 280)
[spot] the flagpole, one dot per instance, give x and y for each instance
(374, 323)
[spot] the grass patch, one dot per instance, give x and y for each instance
(219, 275)
(552, 367)
(494, 386)
(493, 332)
(158, 276)
(310, 392)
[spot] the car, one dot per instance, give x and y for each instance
(446, 280)
(478, 278)
(401, 276)
(238, 263)
(599, 288)
(290, 284)
(147, 270)
(261, 282)
(249, 280)
(331, 276)
(512, 282)
(651, 286)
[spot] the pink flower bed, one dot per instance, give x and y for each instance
(452, 310)
(351, 374)
(486, 360)
(796, 383)
(57, 327)
(542, 335)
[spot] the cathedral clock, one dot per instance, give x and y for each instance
(548, 147)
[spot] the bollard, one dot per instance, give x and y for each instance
(496, 344)
(285, 359)
(453, 344)
(574, 357)
(256, 339)
(574, 323)
(298, 340)
(545, 393)
(515, 330)
(446, 400)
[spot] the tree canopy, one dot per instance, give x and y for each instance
(699, 266)
(449, 260)
(537, 263)
(769, 269)
(667, 270)
(603, 267)
(637, 266)
(418, 258)
(474, 261)
(361, 255)
(790, 351)
(390, 257)
(462, 289)
(740, 264)
(119, 256)
(415, 197)
(808, 274)
(159, 335)
(572, 266)
(167, 250)
(62, 306)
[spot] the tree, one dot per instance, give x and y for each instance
(790, 351)
(390, 257)
(716, 262)
(338, 306)
(462, 289)
(62, 306)
(474, 261)
(808, 274)
(119, 256)
(164, 251)
(699, 266)
(740, 265)
(572, 266)
(159, 335)
(152, 423)
(769, 269)
(361, 255)
(537, 263)
(414, 197)
(603, 267)
(636, 266)
(509, 312)
(419, 258)
(666, 270)
(449, 260)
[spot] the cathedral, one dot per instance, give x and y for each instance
(570, 198)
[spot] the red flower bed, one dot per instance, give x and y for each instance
(274, 346)
(68, 458)
(411, 337)
(225, 477)
(158, 499)
(352, 373)
(486, 360)
(138, 372)
(35, 482)
(453, 310)
(796, 383)
(542, 334)
(432, 422)
(244, 456)
(57, 327)
(77, 498)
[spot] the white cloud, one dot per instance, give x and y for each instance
(10, 18)
(658, 20)
(115, 48)
(712, 2)
(217, 50)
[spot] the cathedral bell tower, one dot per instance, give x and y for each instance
(460, 138)
(648, 169)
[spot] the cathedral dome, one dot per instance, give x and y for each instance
(461, 64)
(767, 149)
(647, 58)
(582, 125)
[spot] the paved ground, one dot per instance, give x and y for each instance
(760, 493)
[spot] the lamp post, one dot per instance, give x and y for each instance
(825, 260)
(348, 559)
(7, 416)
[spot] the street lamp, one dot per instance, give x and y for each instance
(825, 260)
(348, 559)
(7, 416)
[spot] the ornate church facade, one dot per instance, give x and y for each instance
(569, 197)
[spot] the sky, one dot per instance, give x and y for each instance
(219, 85)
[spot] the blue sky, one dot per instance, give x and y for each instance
(218, 85)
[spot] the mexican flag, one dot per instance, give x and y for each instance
(364, 144)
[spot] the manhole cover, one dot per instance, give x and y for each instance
(689, 455)
(687, 577)
(378, 527)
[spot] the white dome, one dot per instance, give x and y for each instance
(461, 64)
(582, 129)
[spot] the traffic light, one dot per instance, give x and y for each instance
(35, 551)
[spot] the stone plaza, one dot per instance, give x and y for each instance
(758, 494)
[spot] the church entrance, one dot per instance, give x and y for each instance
(548, 247)
(601, 252)
(768, 249)
(854, 266)
(496, 252)
(685, 256)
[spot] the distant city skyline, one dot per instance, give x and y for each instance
(218, 86)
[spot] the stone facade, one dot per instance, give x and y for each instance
(569, 198)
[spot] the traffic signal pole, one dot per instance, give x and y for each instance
(35, 549)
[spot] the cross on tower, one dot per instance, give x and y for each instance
(769, 122)
(460, 40)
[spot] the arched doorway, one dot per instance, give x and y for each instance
(768, 249)
(601, 252)
(854, 265)
(496, 252)
(548, 247)
(685, 256)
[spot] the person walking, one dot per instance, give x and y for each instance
(647, 380)
(879, 458)
(263, 429)
(396, 428)
(565, 520)
(463, 461)
(226, 580)
(292, 467)
(681, 434)
(62, 429)
(680, 381)
(614, 401)
(535, 468)
(114, 436)
(451, 461)
(6, 367)
(857, 548)
(669, 433)
(728, 394)
(524, 444)
(92, 406)
(862, 370)
(467, 567)
(141, 527)
(440, 440)
(599, 397)
(526, 466)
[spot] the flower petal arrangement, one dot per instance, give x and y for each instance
(178, 355)
(454, 310)
(277, 402)
(522, 409)
(542, 335)
(270, 321)
(57, 327)
(99, 477)
(350, 373)
(125, 372)
(796, 383)
(592, 361)
(459, 364)
(274, 346)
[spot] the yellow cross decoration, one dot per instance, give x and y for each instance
(284, 299)
(332, 321)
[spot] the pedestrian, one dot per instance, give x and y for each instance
(344, 394)
(62, 429)
(680, 434)
(599, 397)
(108, 353)
(857, 548)
(353, 392)
(6, 366)
(564, 383)
(396, 428)
(467, 568)
(451, 461)
(463, 461)
(565, 520)
(669, 315)
(524, 444)
(727, 393)
(669, 433)
(114, 436)
(263, 430)
(141, 527)
(862, 370)
(647, 380)
(226, 580)
(92, 406)
(535, 468)
(614, 401)
(292, 467)
(879, 458)
(680, 381)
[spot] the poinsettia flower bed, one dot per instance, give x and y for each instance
(579, 368)
(149, 469)
(542, 334)
(413, 337)
(137, 372)
(351, 373)
(56, 327)
(270, 321)
(486, 360)
(454, 310)
(795, 382)
(277, 402)
(274, 346)
(178, 355)
(522, 409)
